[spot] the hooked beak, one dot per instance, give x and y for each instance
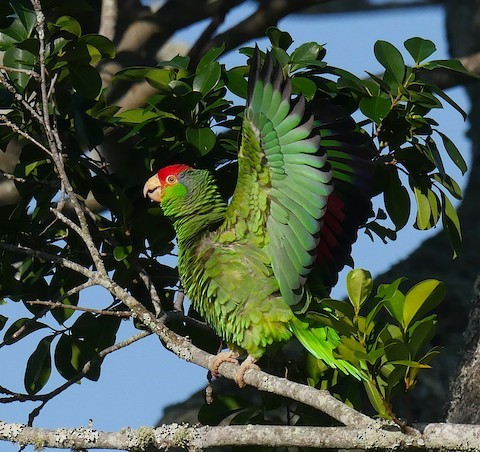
(153, 189)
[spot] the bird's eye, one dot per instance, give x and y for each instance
(171, 179)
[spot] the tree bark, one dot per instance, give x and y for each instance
(463, 28)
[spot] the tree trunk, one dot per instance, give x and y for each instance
(463, 26)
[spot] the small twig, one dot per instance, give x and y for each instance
(29, 72)
(154, 297)
(24, 134)
(57, 304)
(52, 258)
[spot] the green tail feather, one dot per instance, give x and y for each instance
(321, 342)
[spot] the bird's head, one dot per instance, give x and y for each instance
(167, 183)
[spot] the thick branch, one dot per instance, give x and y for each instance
(433, 437)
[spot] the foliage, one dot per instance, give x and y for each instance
(191, 119)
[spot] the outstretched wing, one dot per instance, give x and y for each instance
(350, 154)
(284, 180)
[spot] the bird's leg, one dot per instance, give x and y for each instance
(248, 364)
(223, 357)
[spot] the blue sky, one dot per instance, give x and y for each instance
(137, 382)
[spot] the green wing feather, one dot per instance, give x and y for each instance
(281, 163)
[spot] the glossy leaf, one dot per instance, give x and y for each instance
(237, 83)
(396, 198)
(391, 59)
(279, 38)
(122, 252)
(25, 12)
(207, 78)
(86, 80)
(420, 49)
(359, 286)
(210, 56)
(454, 153)
(21, 328)
(451, 225)
(422, 298)
(39, 366)
(375, 107)
(305, 53)
(423, 209)
(305, 86)
(69, 24)
(203, 138)
(450, 184)
(18, 58)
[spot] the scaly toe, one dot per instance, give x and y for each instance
(248, 364)
(223, 357)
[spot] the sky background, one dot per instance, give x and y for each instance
(138, 381)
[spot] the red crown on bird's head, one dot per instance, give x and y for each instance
(171, 170)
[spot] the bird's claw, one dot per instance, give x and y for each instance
(222, 357)
(248, 364)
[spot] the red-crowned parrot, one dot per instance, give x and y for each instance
(252, 268)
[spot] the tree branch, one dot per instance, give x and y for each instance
(432, 437)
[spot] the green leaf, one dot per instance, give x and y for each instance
(453, 153)
(375, 107)
(177, 62)
(70, 25)
(133, 73)
(420, 333)
(21, 328)
(359, 286)
(304, 54)
(396, 198)
(419, 48)
(391, 59)
(85, 79)
(409, 363)
(236, 81)
(451, 225)
(207, 78)
(279, 38)
(135, 116)
(423, 209)
(422, 298)
(122, 252)
(25, 12)
(394, 305)
(450, 184)
(447, 99)
(203, 138)
(39, 366)
(305, 86)
(452, 65)
(14, 33)
(104, 46)
(159, 79)
(17, 58)
(210, 57)
(376, 399)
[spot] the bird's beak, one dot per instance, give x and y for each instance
(153, 189)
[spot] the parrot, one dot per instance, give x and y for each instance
(253, 267)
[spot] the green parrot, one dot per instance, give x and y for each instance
(253, 267)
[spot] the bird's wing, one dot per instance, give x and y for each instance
(350, 154)
(284, 180)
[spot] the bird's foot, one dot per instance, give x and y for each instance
(222, 357)
(248, 364)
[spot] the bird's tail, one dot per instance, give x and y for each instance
(321, 343)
